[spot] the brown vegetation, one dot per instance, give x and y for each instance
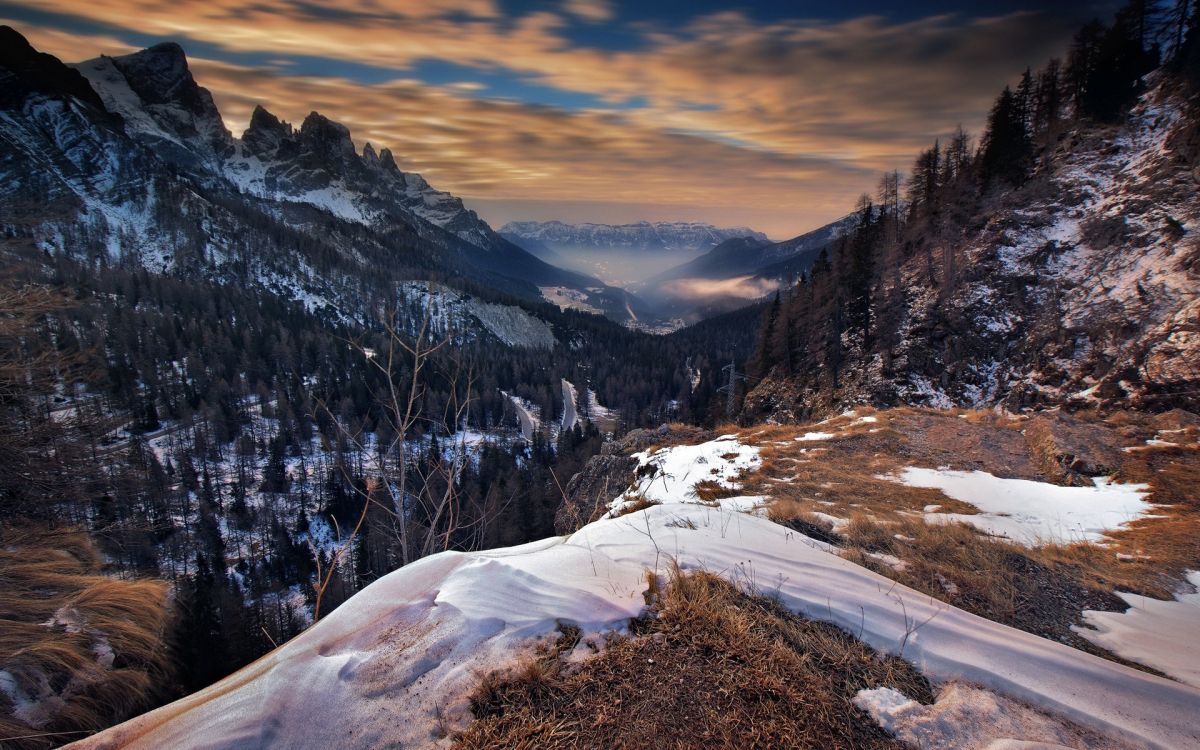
(634, 504)
(1041, 590)
(711, 666)
(86, 649)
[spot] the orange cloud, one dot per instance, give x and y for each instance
(783, 122)
(742, 287)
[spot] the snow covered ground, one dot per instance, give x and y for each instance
(1029, 512)
(670, 475)
(1159, 634)
(393, 665)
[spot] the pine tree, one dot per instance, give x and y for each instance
(1006, 145)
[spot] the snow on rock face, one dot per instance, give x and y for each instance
(669, 475)
(461, 316)
(383, 668)
(1029, 512)
(570, 416)
(154, 91)
(1159, 634)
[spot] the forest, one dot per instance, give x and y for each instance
(886, 312)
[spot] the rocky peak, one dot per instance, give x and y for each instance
(163, 105)
(325, 141)
(25, 71)
(160, 75)
(369, 157)
(265, 133)
(387, 161)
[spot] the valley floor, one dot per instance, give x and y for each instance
(990, 552)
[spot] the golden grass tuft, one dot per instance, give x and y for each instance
(713, 666)
(710, 491)
(89, 647)
(634, 504)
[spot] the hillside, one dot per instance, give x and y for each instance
(1076, 286)
(403, 661)
(297, 451)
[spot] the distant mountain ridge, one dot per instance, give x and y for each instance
(662, 235)
(128, 158)
(757, 256)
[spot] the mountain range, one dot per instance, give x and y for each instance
(118, 155)
(668, 236)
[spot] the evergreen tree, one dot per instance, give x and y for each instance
(1006, 145)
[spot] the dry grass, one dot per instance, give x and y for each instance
(91, 648)
(710, 491)
(1155, 552)
(1041, 590)
(711, 667)
(633, 504)
(993, 578)
(840, 476)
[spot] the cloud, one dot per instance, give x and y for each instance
(784, 122)
(742, 287)
(590, 10)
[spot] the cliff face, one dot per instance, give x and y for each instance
(1078, 287)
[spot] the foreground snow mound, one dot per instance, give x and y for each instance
(393, 665)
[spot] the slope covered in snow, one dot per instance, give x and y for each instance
(1159, 634)
(461, 317)
(394, 665)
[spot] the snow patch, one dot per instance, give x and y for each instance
(1159, 634)
(669, 475)
(1032, 513)
(967, 718)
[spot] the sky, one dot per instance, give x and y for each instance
(773, 115)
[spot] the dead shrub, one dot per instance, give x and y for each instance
(715, 667)
(88, 648)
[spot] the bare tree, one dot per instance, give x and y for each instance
(418, 502)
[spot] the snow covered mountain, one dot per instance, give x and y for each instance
(669, 236)
(128, 159)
